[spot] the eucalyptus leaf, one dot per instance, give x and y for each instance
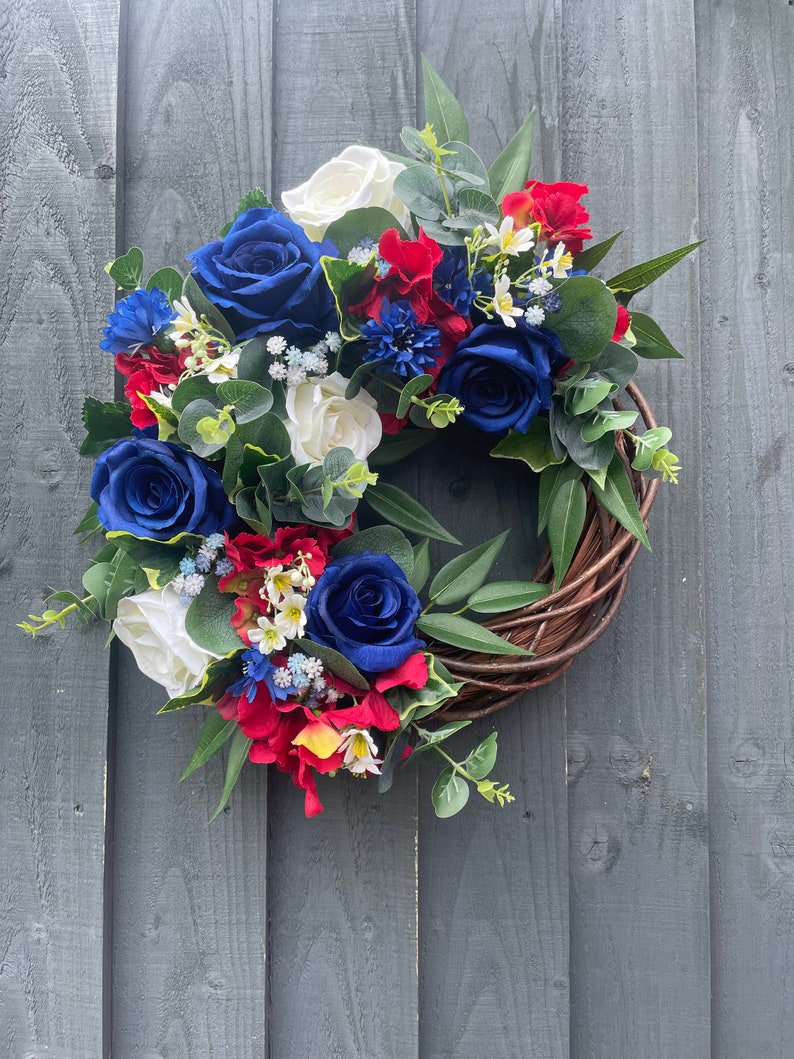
(250, 400)
(208, 620)
(586, 321)
(480, 762)
(411, 389)
(380, 540)
(169, 281)
(419, 187)
(450, 793)
(126, 271)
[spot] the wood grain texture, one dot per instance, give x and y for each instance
(747, 205)
(57, 122)
(636, 702)
(493, 910)
(342, 888)
(189, 907)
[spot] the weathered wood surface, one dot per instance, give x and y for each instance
(57, 160)
(377, 931)
(636, 705)
(747, 212)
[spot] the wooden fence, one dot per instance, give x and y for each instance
(636, 901)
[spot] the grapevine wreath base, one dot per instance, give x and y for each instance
(559, 627)
(302, 351)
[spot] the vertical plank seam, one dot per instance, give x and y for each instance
(108, 881)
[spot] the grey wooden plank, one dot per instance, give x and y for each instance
(745, 102)
(636, 703)
(57, 151)
(189, 899)
(342, 887)
(494, 882)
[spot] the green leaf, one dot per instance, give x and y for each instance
(466, 169)
(589, 455)
(551, 480)
(419, 187)
(534, 447)
(169, 281)
(397, 507)
(421, 570)
(392, 759)
(473, 208)
(618, 498)
(460, 632)
(566, 521)
(583, 396)
(208, 620)
(215, 733)
(381, 540)
(450, 793)
(216, 678)
(605, 421)
(106, 423)
(442, 110)
(440, 735)
(652, 343)
(465, 573)
(586, 321)
(194, 388)
(250, 400)
(599, 476)
(502, 596)
(641, 276)
(89, 523)
(483, 758)
(336, 662)
(646, 445)
(96, 582)
(510, 170)
(411, 389)
(123, 583)
(254, 199)
(395, 447)
(238, 755)
(594, 255)
(369, 222)
(126, 271)
(349, 283)
(617, 363)
(201, 304)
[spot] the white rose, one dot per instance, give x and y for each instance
(152, 625)
(359, 176)
(320, 419)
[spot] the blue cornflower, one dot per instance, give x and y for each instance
(451, 280)
(136, 321)
(257, 669)
(407, 346)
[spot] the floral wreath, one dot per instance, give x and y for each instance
(303, 350)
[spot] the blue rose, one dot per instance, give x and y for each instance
(266, 278)
(363, 607)
(156, 489)
(503, 376)
(137, 321)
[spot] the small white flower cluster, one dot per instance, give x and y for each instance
(284, 592)
(210, 353)
(293, 366)
(303, 673)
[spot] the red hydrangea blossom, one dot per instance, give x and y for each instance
(284, 732)
(556, 208)
(148, 370)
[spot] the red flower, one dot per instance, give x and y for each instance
(147, 370)
(560, 214)
(518, 205)
(622, 324)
